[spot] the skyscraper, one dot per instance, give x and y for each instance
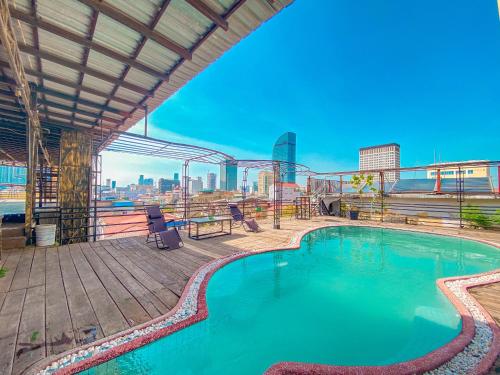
(211, 181)
(266, 179)
(284, 150)
(141, 179)
(228, 176)
(176, 176)
(195, 186)
(380, 157)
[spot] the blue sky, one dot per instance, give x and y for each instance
(344, 74)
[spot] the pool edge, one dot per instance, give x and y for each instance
(65, 363)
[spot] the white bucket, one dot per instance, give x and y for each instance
(45, 234)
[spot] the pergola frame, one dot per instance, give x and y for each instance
(277, 167)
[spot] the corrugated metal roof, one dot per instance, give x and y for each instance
(105, 60)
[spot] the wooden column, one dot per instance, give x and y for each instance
(75, 184)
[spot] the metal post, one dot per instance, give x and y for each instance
(96, 157)
(498, 179)
(340, 195)
(243, 193)
(382, 187)
(460, 193)
(277, 194)
(438, 181)
(185, 188)
(146, 110)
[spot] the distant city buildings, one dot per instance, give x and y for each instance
(141, 179)
(113, 184)
(148, 182)
(474, 171)
(255, 187)
(12, 175)
(284, 150)
(265, 180)
(228, 176)
(166, 184)
(108, 182)
(211, 181)
(195, 185)
(380, 157)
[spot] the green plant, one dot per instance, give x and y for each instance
(3, 272)
(358, 183)
(477, 219)
(34, 336)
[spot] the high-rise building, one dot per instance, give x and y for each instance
(113, 184)
(12, 175)
(108, 182)
(176, 176)
(228, 176)
(265, 180)
(195, 186)
(211, 181)
(165, 184)
(141, 179)
(284, 150)
(380, 157)
(148, 182)
(255, 187)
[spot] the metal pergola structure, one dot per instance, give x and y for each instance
(279, 169)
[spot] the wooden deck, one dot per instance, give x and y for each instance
(54, 299)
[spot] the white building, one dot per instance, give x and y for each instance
(380, 157)
(211, 181)
(195, 186)
(290, 191)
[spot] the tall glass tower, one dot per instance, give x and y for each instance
(228, 176)
(284, 150)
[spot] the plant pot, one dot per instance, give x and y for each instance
(353, 215)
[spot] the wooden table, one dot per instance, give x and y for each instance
(208, 220)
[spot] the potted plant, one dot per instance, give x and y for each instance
(359, 182)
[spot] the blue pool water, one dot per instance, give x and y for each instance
(349, 296)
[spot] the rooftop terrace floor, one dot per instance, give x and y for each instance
(54, 299)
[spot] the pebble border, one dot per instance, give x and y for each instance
(473, 351)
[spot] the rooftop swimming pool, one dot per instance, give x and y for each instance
(348, 296)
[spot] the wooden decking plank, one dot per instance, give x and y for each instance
(59, 329)
(9, 326)
(31, 337)
(206, 254)
(85, 324)
(22, 275)
(163, 293)
(37, 274)
(214, 248)
(129, 306)
(108, 314)
(148, 301)
(10, 266)
(165, 272)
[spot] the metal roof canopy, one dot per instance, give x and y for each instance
(102, 65)
(141, 145)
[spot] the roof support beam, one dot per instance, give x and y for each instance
(137, 26)
(138, 49)
(80, 68)
(95, 46)
(7, 36)
(64, 96)
(74, 85)
(208, 12)
(79, 111)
